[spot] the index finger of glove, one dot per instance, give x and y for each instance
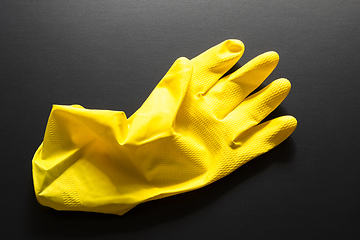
(212, 64)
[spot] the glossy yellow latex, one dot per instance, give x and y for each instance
(196, 127)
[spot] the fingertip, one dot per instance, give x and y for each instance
(182, 65)
(273, 55)
(281, 128)
(182, 60)
(234, 45)
(270, 59)
(291, 122)
(281, 86)
(287, 123)
(77, 106)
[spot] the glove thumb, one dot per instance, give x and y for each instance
(154, 119)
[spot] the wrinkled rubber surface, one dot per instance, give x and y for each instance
(195, 128)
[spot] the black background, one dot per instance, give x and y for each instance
(111, 54)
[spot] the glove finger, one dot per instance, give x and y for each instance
(263, 137)
(231, 90)
(211, 65)
(258, 105)
(155, 117)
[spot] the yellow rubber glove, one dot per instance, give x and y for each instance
(195, 127)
